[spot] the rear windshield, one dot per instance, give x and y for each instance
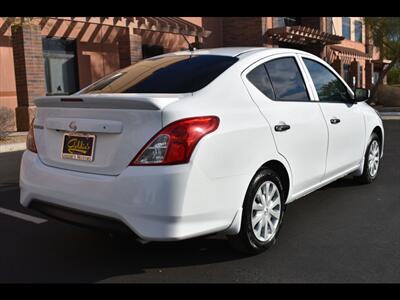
(168, 74)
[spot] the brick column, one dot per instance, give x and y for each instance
(29, 71)
(338, 66)
(369, 73)
(129, 48)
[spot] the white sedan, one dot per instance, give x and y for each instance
(192, 143)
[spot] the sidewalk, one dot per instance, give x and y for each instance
(14, 146)
(9, 167)
(388, 113)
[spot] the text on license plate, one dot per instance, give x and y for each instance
(78, 146)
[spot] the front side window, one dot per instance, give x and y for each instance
(346, 31)
(358, 31)
(329, 87)
(172, 74)
(259, 78)
(286, 79)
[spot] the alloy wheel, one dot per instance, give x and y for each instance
(373, 158)
(266, 211)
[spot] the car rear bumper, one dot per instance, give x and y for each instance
(80, 218)
(151, 201)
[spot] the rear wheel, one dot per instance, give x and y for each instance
(262, 214)
(371, 160)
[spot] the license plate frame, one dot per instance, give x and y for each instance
(82, 148)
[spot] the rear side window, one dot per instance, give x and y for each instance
(287, 80)
(167, 74)
(259, 78)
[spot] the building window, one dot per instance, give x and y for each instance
(346, 32)
(286, 21)
(60, 66)
(358, 31)
(360, 76)
(329, 25)
(375, 77)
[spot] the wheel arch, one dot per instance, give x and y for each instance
(378, 131)
(282, 172)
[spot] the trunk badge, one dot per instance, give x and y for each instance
(73, 126)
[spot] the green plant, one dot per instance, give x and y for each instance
(393, 76)
(385, 33)
(6, 120)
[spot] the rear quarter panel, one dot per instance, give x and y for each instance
(224, 161)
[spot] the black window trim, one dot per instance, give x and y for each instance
(339, 77)
(269, 78)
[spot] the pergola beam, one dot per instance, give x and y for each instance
(158, 24)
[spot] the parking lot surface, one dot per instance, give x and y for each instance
(344, 233)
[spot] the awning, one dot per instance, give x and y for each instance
(175, 25)
(349, 51)
(302, 35)
(379, 62)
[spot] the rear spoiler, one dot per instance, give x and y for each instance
(109, 101)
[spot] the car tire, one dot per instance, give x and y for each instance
(252, 239)
(370, 171)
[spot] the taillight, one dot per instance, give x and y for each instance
(175, 143)
(30, 139)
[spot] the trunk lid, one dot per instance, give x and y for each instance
(121, 124)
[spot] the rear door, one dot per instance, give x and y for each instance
(277, 86)
(344, 118)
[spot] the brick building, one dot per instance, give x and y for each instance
(60, 55)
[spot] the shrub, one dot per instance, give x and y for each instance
(393, 76)
(6, 121)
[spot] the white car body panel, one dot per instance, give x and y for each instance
(205, 195)
(304, 146)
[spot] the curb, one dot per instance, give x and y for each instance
(392, 115)
(12, 147)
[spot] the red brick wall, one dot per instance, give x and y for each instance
(242, 31)
(29, 70)
(214, 24)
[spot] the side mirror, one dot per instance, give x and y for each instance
(361, 94)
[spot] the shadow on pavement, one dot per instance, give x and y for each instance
(9, 167)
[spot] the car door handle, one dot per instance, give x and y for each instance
(335, 121)
(282, 127)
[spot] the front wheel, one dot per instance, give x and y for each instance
(371, 160)
(262, 215)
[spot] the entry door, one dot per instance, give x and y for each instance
(345, 121)
(277, 87)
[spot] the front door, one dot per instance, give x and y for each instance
(344, 119)
(277, 87)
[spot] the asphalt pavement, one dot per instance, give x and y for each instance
(342, 233)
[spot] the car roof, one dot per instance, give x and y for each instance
(236, 51)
